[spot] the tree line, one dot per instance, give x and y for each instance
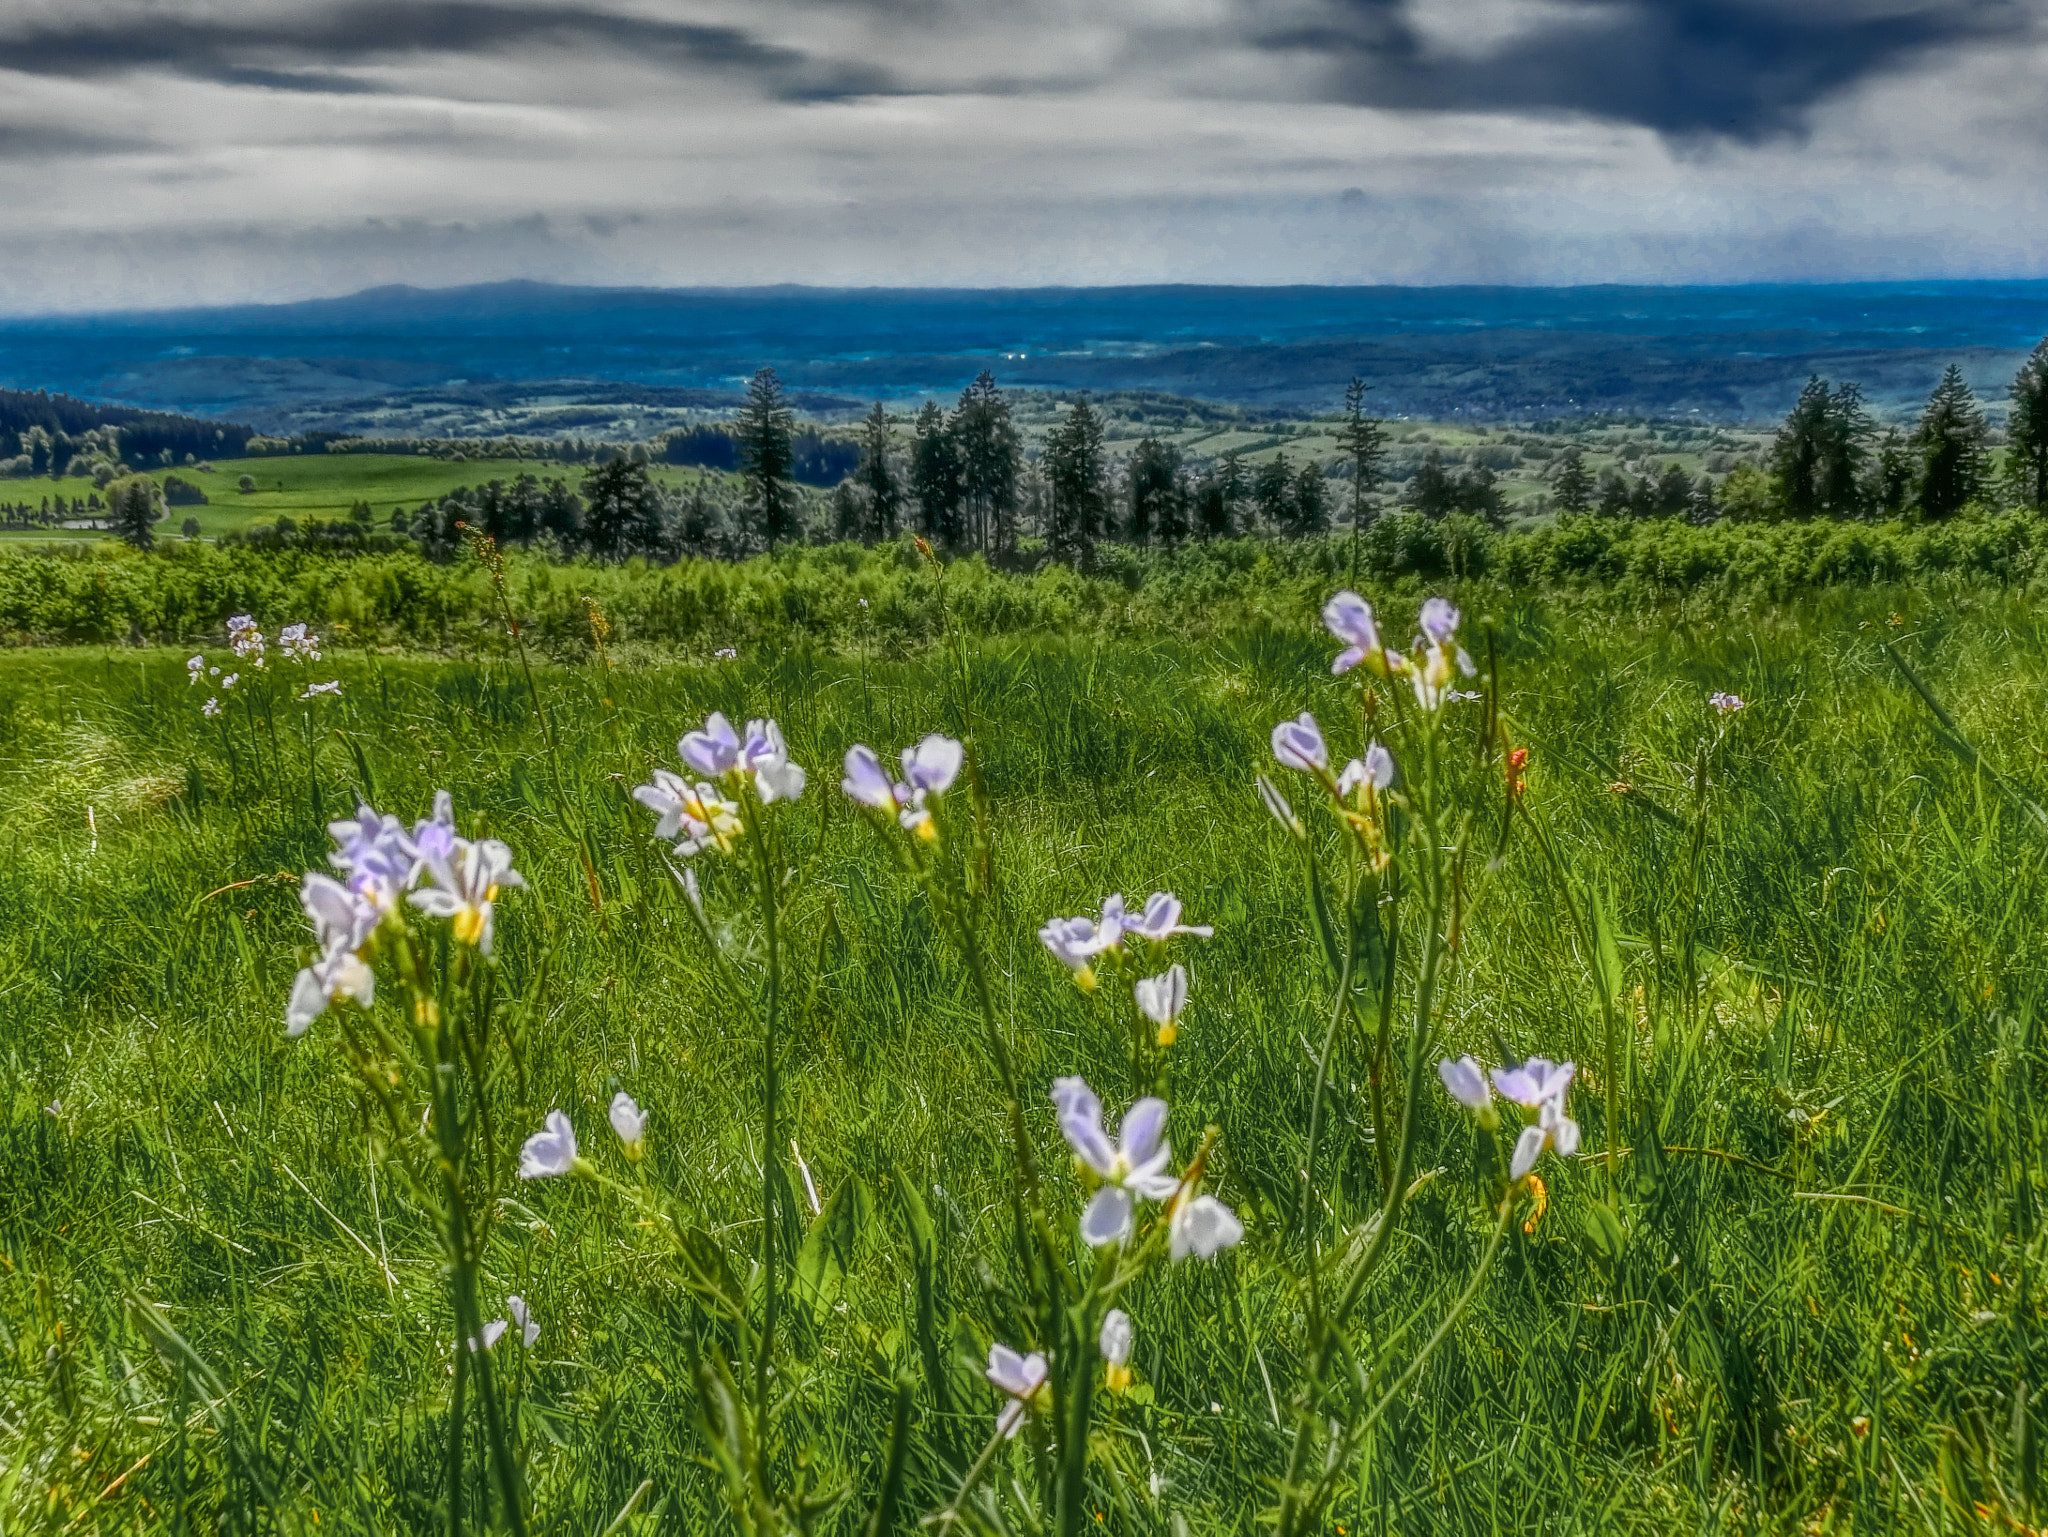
(1830, 460)
(961, 479)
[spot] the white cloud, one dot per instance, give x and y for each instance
(1038, 141)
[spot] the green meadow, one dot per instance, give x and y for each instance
(1788, 1280)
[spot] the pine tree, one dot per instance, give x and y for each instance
(1076, 495)
(1817, 459)
(1431, 490)
(1309, 507)
(1615, 500)
(2026, 427)
(1796, 454)
(1210, 508)
(1155, 489)
(1273, 493)
(935, 478)
(1891, 478)
(696, 529)
(1364, 438)
(765, 458)
(622, 510)
(1573, 487)
(133, 510)
(1949, 443)
(1230, 495)
(1673, 493)
(877, 478)
(991, 451)
(561, 515)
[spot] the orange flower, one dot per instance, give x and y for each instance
(1518, 764)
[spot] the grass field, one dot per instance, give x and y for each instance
(1790, 1282)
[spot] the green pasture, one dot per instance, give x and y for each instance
(1804, 1296)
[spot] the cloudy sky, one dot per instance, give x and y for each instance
(178, 151)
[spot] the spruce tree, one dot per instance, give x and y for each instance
(2026, 428)
(935, 477)
(1155, 487)
(1949, 444)
(1573, 487)
(1673, 494)
(1431, 490)
(765, 458)
(1309, 507)
(1364, 438)
(1231, 488)
(877, 478)
(1273, 493)
(1891, 478)
(1075, 491)
(1797, 452)
(991, 452)
(132, 510)
(622, 510)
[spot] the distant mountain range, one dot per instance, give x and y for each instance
(397, 359)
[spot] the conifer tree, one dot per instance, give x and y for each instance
(1155, 491)
(1273, 492)
(1364, 438)
(765, 458)
(990, 453)
(1891, 478)
(2026, 428)
(1949, 445)
(1432, 490)
(935, 477)
(1076, 496)
(1230, 495)
(1816, 462)
(1573, 487)
(622, 510)
(877, 478)
(132, 510)
(1309, 507)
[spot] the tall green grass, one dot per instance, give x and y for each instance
(879, 600)
(1813, 1302)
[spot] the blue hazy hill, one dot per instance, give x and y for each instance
(1734, 352)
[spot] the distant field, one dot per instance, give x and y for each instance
(304, 486)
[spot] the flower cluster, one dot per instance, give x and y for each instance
(381, 864)
(296, 644)
(1135, 1167)
(1081, 943)
(246, 640)
(517, 1316)
(551, 1151)
(1538, 1085)
(698, 813)
(929, 770)
(1356, 788)
(1723, 703)
(1432, 662)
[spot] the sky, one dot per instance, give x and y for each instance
(174, 152)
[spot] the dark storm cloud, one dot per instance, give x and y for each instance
(41, 141)
(1682, 67)
(246, 51)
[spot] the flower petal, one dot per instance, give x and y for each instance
(1107, 1217)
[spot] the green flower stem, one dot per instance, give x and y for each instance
(770, 1095)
